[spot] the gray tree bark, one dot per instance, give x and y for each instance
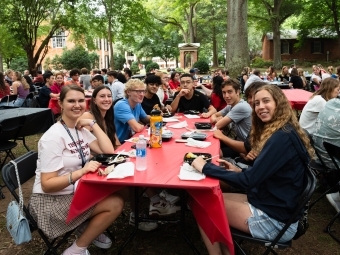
(237, 37)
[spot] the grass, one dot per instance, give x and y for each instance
(167, 238)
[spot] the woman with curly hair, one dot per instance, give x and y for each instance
(275, 181)
(101, 110)
(20, 87)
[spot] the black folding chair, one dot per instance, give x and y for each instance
(28, 100)
(239, 236)
(334, 153)
(9, 131)
(27, 165)
(321, 170)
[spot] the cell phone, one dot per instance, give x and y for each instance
(241, 165)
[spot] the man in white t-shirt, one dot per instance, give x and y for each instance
(254, 76)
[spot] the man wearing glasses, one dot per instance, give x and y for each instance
(128, 112)
(190, 99)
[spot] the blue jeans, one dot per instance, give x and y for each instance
(19, 101)
(264, 227)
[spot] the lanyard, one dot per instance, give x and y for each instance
(83, 160)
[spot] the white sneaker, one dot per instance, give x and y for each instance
(102, 241)
(144, 225)
(334, 200)
(67, 252)
(168, 197)
(162, 208)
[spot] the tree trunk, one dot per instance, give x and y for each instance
(112, 64)
(237, 37)
(214, 47)
(277, 44)
(1, 64)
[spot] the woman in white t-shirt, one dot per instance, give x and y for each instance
(329, 89)
(63, 154)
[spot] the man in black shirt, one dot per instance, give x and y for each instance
(45, 93)
(190, 99)
(150, 98)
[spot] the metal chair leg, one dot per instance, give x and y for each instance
(328, 228)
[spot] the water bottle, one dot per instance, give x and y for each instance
(141, 154)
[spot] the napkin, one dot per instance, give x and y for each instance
(180, 125)
(170, 120)
(192, 116)
(198, 144)
(122, 170)
(188, 173)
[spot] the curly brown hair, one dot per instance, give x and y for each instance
(283, 115)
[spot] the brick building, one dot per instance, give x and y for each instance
(314, 49)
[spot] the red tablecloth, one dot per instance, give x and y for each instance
(163, 166)
(54, 106)
(298, 98)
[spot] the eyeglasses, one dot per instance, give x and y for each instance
(186, 82)
(138, 91)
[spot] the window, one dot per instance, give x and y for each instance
(285, 48)
(59, 40)
(317, 47)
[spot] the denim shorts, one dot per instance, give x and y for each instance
(264, 227)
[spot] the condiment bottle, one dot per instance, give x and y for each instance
(156, 123)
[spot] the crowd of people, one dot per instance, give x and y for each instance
(253, 132)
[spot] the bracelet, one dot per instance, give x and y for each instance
(92, 123)
(70, 181)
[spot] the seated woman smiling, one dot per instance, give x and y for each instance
(63, 154)
(283, 152)
(101, 110)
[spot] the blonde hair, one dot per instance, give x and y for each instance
(283, 115)
(330, 69)
(23, 81)
(132, 84)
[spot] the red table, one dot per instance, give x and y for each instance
(163, 165)
(54, 106)
(298, 98)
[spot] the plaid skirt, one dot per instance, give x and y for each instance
(50, 212)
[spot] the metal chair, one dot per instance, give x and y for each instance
(27, 165)
(239, 236)
(334, 153)
(320, 170)
(9, 131)
(28, 100)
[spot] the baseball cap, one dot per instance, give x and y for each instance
(192, 70)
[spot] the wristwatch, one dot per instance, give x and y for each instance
(92, 123)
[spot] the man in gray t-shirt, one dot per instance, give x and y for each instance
(240, 116)
(237, 114)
